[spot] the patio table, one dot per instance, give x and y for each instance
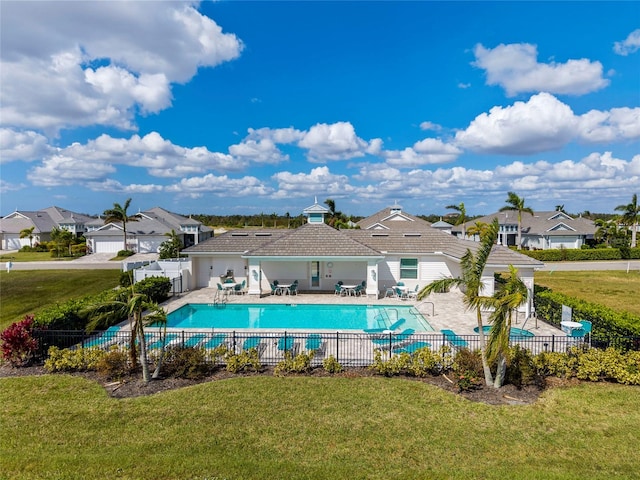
(348, 289)
(283, 288)
(568, 326)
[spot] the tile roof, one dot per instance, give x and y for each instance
(392, 217)
(540, 223)
(237, 241)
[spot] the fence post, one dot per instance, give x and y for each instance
(338, 347)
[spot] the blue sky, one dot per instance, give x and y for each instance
(249, 107)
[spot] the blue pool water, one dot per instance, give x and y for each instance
(289, 317)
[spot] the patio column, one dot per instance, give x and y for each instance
(372, 278)
(254, 277)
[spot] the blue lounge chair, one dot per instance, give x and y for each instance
(251, 342)
(394, 338)
(394, 326)
(453, 339)
(313, 342)
(412, 347)
(160, 342)
(194, 340)
(215, 341)
(105, 339)
(285, 344)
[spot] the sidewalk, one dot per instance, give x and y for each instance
(95, 261)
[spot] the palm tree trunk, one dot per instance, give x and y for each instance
(488, 378)
(500, 372)
(633, 234)
(143, 356)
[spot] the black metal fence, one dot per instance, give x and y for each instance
(349, 349)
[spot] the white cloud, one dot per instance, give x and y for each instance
(25, 146)
(111, 185)
(277, 135)
(59, 170)
(615, 125)
(337, 141)
(541, 124)
(319, 181)
(221, 186)
(515, 68)
(631, 44)
(430, 126)
(424, 152)
(68, 64)
(261, 151)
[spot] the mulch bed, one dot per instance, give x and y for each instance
(133, 386)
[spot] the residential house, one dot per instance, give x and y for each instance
(390, 246)
(146, 234)
(42, 222)
(540, 231)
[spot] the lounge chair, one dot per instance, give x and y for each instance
(412, 347)
(314, 342)
(194, 340)
(105, 339)
(394, 326)
(215, 341)
(453, 339)
(170, 337)
(251, 342)
(393, 338)
(286, 344)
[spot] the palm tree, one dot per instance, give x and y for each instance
(28, 233)
(133, 305)
(510, 294)
(472, 266)
(462, 217)
(560, 208)
(631, 216)
(62, 238)
(171, 247)
(119, 214)
(477, 228)
(514, 202)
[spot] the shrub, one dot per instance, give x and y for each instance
(521, 369)
(425, 362)
(468, 381)
(78, 360)
(70, 315)
(301, 363)
(125, 253)
(185, 362)
(126, 278)
(114, 364)
(247, 360)
(18, 344)
(331, 365)
(394, 365)
(155, 288)
(466, 361)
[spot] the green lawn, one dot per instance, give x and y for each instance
(615, 289)
(27, 291)
(58, 426)
(32, 257)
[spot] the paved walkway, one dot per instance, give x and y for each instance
(95, 261)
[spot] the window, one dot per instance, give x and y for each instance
(409, 268)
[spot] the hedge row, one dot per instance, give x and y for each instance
(607, 324)
(569, 254)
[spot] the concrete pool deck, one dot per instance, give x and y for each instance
(441, 310)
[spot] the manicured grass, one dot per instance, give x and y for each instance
(313, 428)
(615, 289)
(32, 257)
(25, 291)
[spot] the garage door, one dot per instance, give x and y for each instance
(562, 242)
(108, 246)
(12, 242)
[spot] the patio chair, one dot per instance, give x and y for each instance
(412, 347)
(400, 293)
(293, 289)
(413, 293)
(194, 340)
(286, 344)
(393, 338)
(358, 290)
(453, 339)
(274, 288)
(162, 342)
(587, 326)
(215, 341)
(239, 288)
(338, 289)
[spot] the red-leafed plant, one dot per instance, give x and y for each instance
(17, 342)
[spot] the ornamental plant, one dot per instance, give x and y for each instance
(18, 344)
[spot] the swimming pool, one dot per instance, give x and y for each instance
(292, 316)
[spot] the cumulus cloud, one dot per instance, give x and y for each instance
(430, 126)
(318, 181)
(629, 45)
(69, 64)
(337, 141)
(424, 152)
(221, 186)
(515, 68)
(25, 146)
(543, 123)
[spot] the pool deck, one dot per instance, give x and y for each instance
(442, 310)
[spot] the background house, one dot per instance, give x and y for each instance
(540, 231)
(146, 234)
(43, 222)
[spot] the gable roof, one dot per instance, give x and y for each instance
(43, 221)
(392, 218)
(540, 223)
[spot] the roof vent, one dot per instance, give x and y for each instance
(263, 234)
(412, 234)
(379, 234)
(239, 234)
